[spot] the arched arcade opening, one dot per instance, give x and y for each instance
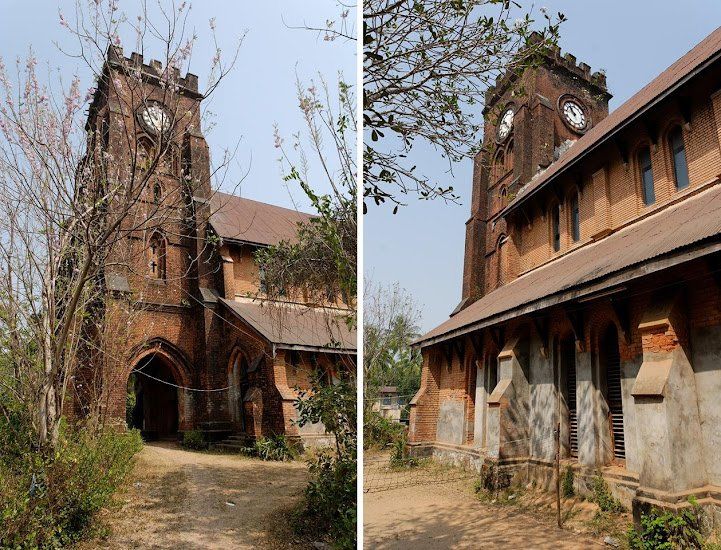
(154, 400)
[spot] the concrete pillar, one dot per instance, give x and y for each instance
(481, 406)
(587, 406)
(666, 406)
(508, 405)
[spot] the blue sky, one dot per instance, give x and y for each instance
(421, 247)
(259, 92)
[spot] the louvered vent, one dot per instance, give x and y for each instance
(615, 405)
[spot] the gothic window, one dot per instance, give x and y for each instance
(156, 253)
(575, 217)
(678, 156)
(157, 193)
(646, 171)
(509, 155)
(503, 195)
(499, 167)
(145, 154)
(556, 227)
(500, 259)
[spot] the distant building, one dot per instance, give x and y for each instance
(591, 286)
(388, 403)
(206, 349)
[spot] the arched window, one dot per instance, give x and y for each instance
(575, 217)
(500, 260)
(499, 167)
(509, 155)
(646, 171)
(502, 196)
(156, 252)
(556, 227)
(678, 156)
(157, 193)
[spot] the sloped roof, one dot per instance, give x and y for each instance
(245, 220)
(293, 325)
(707, 50)
(688, 221)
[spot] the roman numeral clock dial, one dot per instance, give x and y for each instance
(573, 114)
(155, 118)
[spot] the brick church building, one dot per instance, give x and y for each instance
(591, 287)
(191, 341)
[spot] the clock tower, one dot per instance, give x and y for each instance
(530, 120)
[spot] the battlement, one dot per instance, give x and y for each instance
(582, 70)
(554, 57)
(154, 70)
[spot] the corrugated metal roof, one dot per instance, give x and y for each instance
(254, 222)
(295, 325)
(668, 79)
(692, 219)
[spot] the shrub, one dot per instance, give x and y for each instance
(661, 530)
(603, 498)
(50, 501)
(567, 488)
(275, 447)
(194, 439)
(399, 455)
(379, 432)
(329, 511)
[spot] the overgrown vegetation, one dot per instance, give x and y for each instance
(49, 500)
(329, 510)
(601, 495)
(567, 489)
(379, 432)
(194, 439)
(274, 447)
(399, 455)
(666, 530)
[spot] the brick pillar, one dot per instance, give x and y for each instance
(508, 405)
(424, 405)
(665, 402)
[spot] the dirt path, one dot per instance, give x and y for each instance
(180, 499)
(447, 515)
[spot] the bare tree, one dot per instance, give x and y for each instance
(78, 199)
(427, 65)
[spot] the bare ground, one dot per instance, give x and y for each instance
(181, 500)
(423, 515)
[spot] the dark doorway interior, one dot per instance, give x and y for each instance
(152, 403)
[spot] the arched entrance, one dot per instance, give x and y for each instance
(610, 370)
(238, 383)
(155, 402)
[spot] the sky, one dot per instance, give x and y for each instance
(421, 247)
(260, 92)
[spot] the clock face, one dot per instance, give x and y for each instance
(574, 115)
(155, 118)
(505, 125)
